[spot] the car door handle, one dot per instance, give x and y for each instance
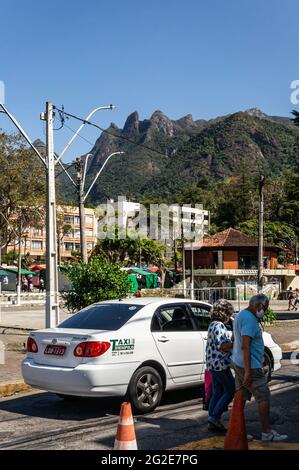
(205, 337)
(163, 339)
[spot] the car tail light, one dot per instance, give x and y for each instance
(91, 349)
(32, 345)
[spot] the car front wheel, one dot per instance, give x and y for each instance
(145, 389)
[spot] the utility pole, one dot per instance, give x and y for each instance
(19, 276)
(183, 257)
(52, 303)
(261, 235)
(192, 271)
(80, 192)
(81, 168)
(175, 261)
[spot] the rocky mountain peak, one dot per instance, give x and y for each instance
(187, 121)
(131, 127)
(161, 123)
(256, 112)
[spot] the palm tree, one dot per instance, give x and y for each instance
(296, 118)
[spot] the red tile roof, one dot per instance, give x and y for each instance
(231, 238)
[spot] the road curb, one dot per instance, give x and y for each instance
(217, 443)
(7, 390)
(15, 328)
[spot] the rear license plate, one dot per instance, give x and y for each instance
(55, 350)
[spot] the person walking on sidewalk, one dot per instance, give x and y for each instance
(296, 299)
(291, 297)
(247, 362)
(218, 349)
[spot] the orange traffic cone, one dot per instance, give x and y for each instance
(236, 437)
(125, 436)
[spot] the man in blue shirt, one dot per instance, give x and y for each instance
(247, 362)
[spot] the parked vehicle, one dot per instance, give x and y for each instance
(135, 347)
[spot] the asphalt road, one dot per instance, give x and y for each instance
(34, 317)
(43, 421)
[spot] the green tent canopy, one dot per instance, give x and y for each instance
(3, 273)
(150, 278)
(134, 283)
(24, 272)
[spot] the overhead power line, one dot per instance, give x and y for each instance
(122, 137)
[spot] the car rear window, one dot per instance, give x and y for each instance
(101, 317)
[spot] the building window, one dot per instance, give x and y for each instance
(76, 220)
(37, 245)
(76, 234)
(37, 232)
(247, 262)
(77, 246)
(89, 232)
(68, 219)
(68, 246)
(89, 219)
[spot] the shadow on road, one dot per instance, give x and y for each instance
(49, 405)
(164, 433)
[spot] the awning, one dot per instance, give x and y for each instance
(38, 267)
(3, 273)
(23, 272)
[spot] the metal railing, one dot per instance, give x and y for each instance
(207, 294)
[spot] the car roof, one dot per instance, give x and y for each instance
(151, 300)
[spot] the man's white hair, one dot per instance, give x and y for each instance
(258, 299)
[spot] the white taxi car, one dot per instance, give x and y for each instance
(135, 347)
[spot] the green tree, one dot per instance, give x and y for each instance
(296, 117)
(130, 250)
(93, 282)
(290, 207)
(22, 189)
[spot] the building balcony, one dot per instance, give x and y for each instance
(243, 272)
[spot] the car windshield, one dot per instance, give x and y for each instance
(101, 317)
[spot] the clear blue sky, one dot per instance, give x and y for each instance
(204, 57)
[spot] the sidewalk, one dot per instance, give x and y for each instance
(276, 305)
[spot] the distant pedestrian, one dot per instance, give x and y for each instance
(30, 284)
(25, 284)
(158, 281)
(291, 298)
(41, 286)
(296, 299)
(219, 346)
(247, 362)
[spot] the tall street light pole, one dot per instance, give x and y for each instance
(82, 196)
(80, 192)
(261, 235)
(52, 302)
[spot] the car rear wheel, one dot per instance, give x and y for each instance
(267, 366)
(145, 389)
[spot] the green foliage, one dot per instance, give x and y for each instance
(296, 117)
(278, 233)
(269, 317)
(192, 156)
(130, 250)
(215, 163)
(95, 281)
(22, 189)
(9, 257)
